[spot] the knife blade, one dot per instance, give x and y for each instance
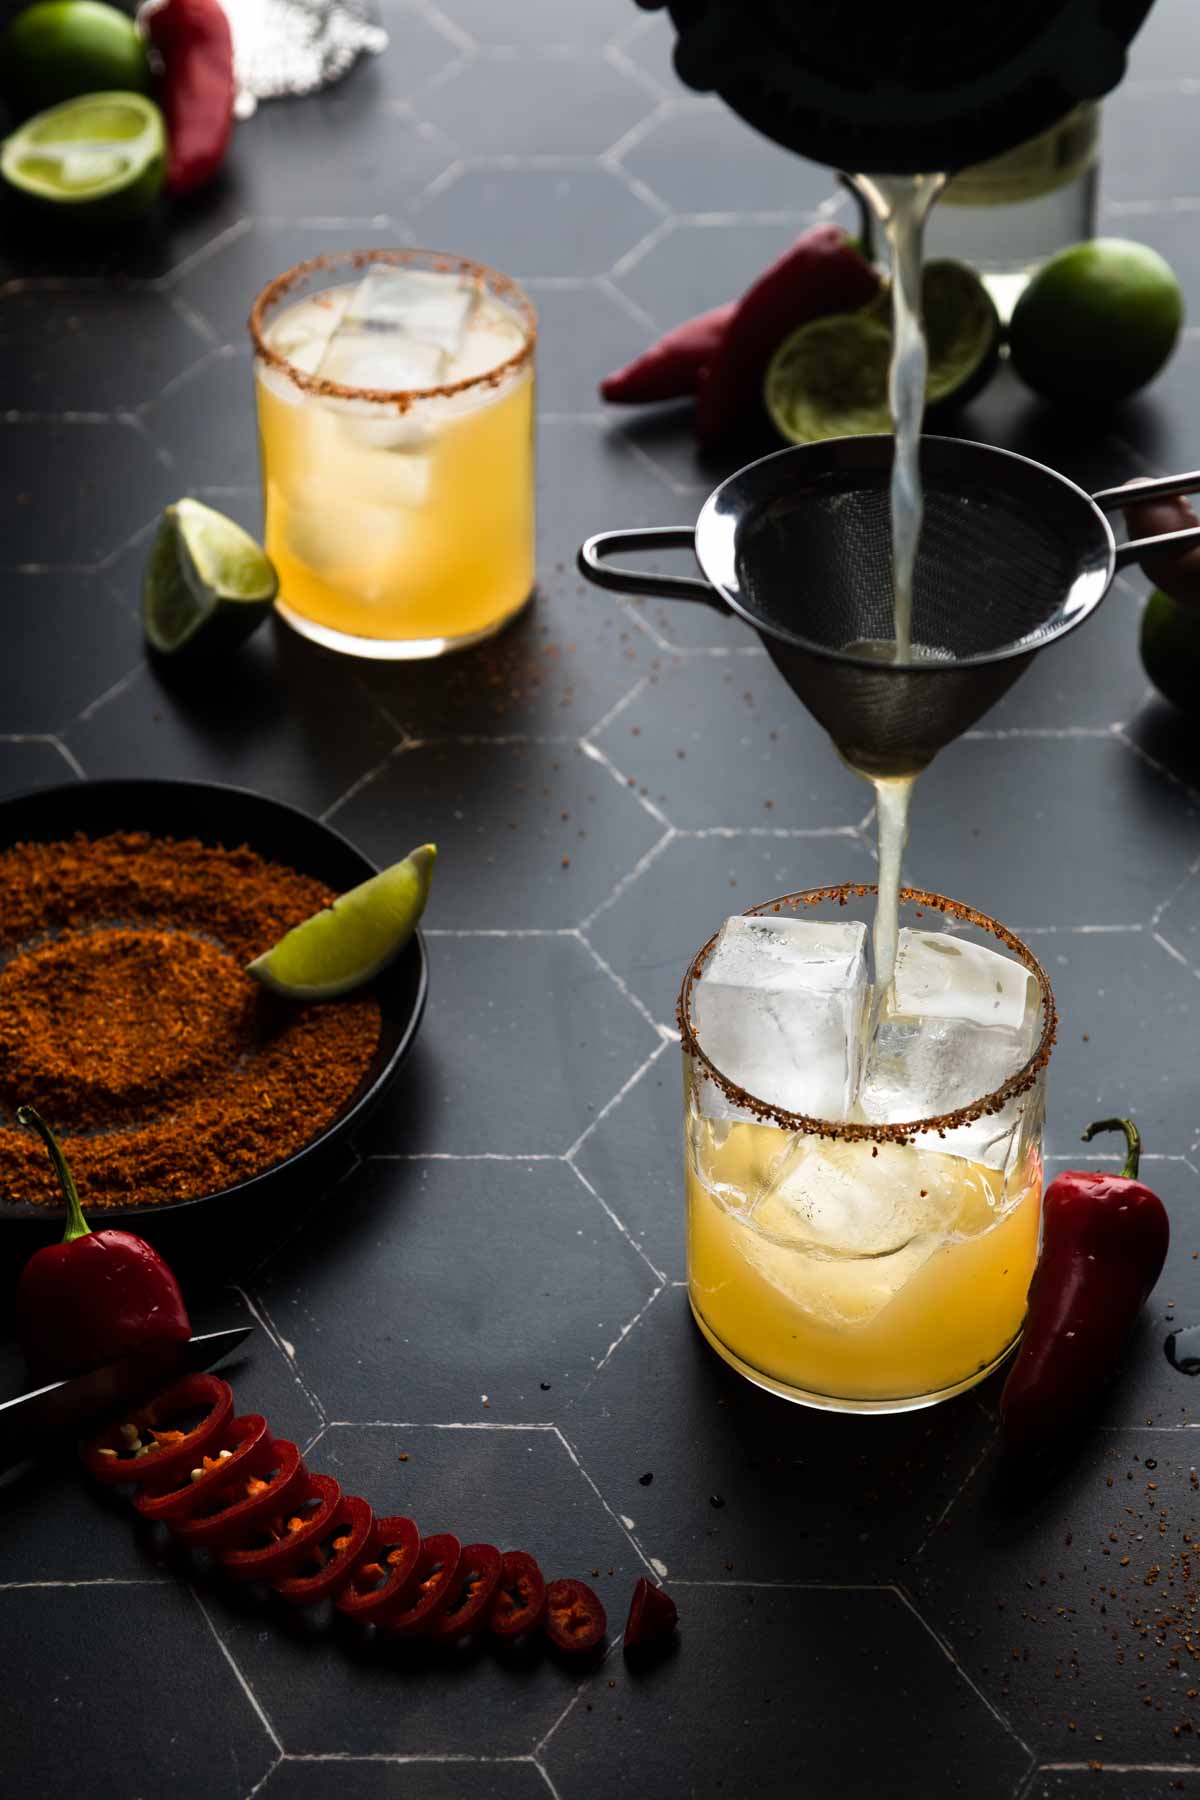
(31, 1419)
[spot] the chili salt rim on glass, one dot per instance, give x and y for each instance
(855, 1131)
(501, 287)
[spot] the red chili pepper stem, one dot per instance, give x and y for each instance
(77, 1225)
(1133, 1138)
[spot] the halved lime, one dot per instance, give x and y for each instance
(829, 379)
(99, 160)
(207, 583)
(346, 945)
(57, 49)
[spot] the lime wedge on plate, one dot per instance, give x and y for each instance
(829, 379)
(207, 583)
(98, 160)
(346, 945)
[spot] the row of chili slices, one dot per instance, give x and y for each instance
(226, 1485)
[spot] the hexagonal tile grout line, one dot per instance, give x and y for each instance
(947, 1650)
(258, 1310)
(251, 1696)
(55, 743)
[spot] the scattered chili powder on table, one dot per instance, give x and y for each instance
(127, 1017)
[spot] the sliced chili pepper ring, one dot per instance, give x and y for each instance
(433, 1579)
(519, 1603)
(247, 1504)
(249, 1443)
(575, 1619)
(395, 1553)
(166, 1462)
(275, 1561)
(653, 1615)
(469, 1597)
(352, 1528)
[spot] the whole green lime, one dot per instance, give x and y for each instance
(58, 49)
(1096, 322)
(1171, 650)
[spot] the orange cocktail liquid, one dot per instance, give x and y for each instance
(412, 527)
(870, 1273)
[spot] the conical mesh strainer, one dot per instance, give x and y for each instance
(1012, 557)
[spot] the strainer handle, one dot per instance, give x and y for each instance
(635, 581)
(1166, 487)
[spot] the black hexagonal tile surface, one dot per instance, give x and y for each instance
(75, 490)
(483, 1279)
(633, 1159)
(1033, 1592)
(700, 158)
(33, 763)
(64, 347)
(741, 747)
(540, 822)
(572, 220)
(1099, 1780)
(688, 266)
(744, 1485)
(74, 640)
(328, 1690)
(557, 105)
(508, 1005)
(150, 1656)
(296, 1778)
(784, 1710)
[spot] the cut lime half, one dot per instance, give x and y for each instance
(829, 379)
(348, 944)
(99, 159)
(207, 583)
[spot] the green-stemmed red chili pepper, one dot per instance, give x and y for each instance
(119, 1454)
(351, 1530)
(653, 1615)
(197, 89)
(672, 367)
(246, 1504)
(97, 1296)
(821, 273)
(291, 1542)
(432, 1580)
(247, 1448)
(575, 1619)
(469, 1597)
(1104, 1242)
(383, 1582)
(520, 1600)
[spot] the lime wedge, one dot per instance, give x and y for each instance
(346, 945)
(99, 159)
(829, 379)
(207, 583)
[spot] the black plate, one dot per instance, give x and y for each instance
(229, 817)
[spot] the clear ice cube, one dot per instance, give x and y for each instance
(780, 1011)
(420, 305)
(957, 1022)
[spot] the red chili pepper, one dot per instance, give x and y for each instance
(97, 1296)
(1104, 1242)
(470, 1595)
(672, 367)
(245, 1504)
(247, 1449)
(433, 1577)
(117, 1454)
(653, 1615)
(385, 1581)
(821, 273)
(197, 90)
(282, 1555)
(575, 1619)
(351, 1529)
(520, 1602)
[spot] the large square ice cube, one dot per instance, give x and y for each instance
(780, 1009)
(958, 1021)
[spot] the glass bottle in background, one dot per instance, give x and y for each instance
(1006, 216)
